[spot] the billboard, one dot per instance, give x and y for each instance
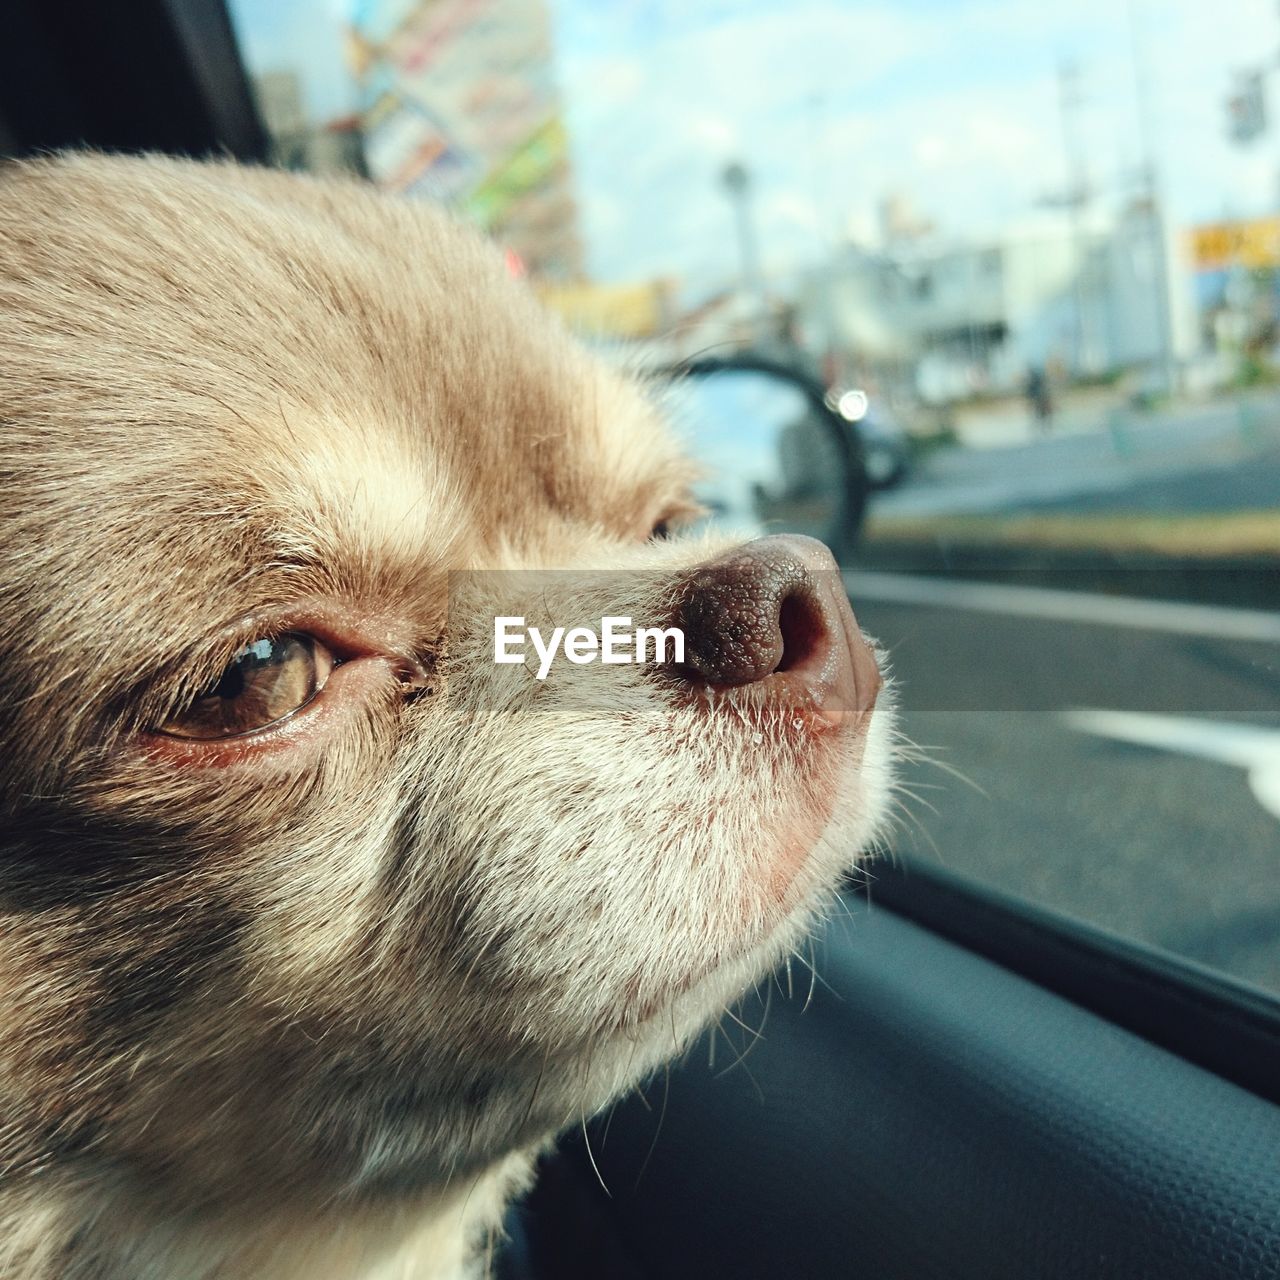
(459, 104)
(612, 311)
(1251, 243)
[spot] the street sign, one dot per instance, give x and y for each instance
(1254, 242)
(1247, 108)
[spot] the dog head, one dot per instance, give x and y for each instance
(302, 893)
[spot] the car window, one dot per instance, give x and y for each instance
(1032, 255)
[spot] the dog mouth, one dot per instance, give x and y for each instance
(796, 855)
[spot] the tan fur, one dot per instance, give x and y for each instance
(310, 1012)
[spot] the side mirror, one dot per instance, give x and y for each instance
(776, 458)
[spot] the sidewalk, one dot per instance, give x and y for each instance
(1183, 504)
(1116, 454)
(1010, 422)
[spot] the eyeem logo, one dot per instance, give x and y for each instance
(615, 642)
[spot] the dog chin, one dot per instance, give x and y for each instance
(553, 1088)
(843, 800)
(412, 1147)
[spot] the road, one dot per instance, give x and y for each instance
(1250, 484)
(1161, 838)
(1098, 468)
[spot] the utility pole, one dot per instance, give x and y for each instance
(1077, 197)
(737, 182)
(1151, 189)
(826, 232)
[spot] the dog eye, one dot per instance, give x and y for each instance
(682, 514)
(266, 681)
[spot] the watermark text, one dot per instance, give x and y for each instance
(616, 641)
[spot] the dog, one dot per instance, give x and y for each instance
(318, 924)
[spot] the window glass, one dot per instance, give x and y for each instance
(1030, 254)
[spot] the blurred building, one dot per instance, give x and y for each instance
(297, 143)
(948, 319)
(900, 219)
(459, 104)
(613, 312)
(1237, 266)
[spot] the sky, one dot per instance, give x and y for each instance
(952, 104)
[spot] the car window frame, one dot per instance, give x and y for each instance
(1223, 1024)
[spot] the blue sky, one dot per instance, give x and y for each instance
(834, 105)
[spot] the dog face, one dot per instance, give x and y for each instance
(302, 894)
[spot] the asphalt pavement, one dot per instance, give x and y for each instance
(1122, 765)
(1101, 467)
(1250, 484)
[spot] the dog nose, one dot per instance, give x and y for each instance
(774, 613)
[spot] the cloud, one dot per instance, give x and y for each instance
(834, 105)
(831, 106)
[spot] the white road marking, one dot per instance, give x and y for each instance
(1247, 746)
(1066, 606)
